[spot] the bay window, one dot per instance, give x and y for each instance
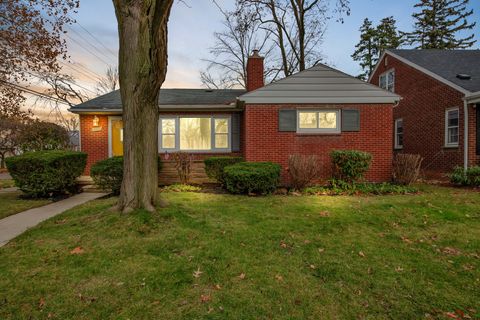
(195, 133)
(318, 121)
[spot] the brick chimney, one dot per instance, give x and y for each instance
(254, 71)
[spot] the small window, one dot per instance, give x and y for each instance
(387, 81)
(318, 121)
(168, 133)
(399, 134)
(221, 133)
(451, 127)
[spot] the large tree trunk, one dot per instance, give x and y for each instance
(142, 27)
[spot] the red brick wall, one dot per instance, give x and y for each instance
(263, 141)
(94, 143)
(422, 108)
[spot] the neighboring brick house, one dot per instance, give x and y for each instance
(312, 112)
(438, 87)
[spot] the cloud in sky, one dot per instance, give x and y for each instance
(93, 42)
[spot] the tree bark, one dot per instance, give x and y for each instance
(142, 28)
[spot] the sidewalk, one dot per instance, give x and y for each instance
(14, 225)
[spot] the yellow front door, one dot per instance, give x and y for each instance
(117, 137)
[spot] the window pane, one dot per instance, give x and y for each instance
(400, 140)
(307, 120)
(195, 134)
(383, 82)
(328, 120)
(221, 141)
(453, 135)
(221, 125)
(168, 125)
(168, 141)
(453, 118)
(399, 126)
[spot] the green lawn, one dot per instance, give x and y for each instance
(231, 257)
(11, 203)
(6, 183)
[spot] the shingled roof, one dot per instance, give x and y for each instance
(320, 84)
(447, 64)
(169, 99)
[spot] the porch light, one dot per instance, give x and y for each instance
(96, 121)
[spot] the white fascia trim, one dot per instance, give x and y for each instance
(473, 97)
(416, 66)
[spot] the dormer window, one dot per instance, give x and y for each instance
(387, 80)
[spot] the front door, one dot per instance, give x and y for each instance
(117, 137)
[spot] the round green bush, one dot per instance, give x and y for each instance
(252, 177)
(108, 174)
(214, 166)
(47, 173)
(350, 165)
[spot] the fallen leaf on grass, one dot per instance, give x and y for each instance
(217, 287)
(197, 273)
(205, 298)
(324, 213)
(307, 241)
(77, 250)
(321, 250)
(279, 277)
(451, 251)
(283, 244)
(41, 303)
(399, 269)
(242, 276)
(406, 240)
(361, 254)
(312, 266)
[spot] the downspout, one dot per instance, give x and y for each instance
(465, 130)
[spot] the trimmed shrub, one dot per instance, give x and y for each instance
(406, 168)
(214, 167)
(303, 170)
(252, 177)
(471, 177)
(47, 173)
(108, 174)
(343, 188)
(350, 165)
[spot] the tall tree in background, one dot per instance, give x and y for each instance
(30, 41)
(438, 23)
(227, 68)
(373, 41)
(297, 28)
(142, 28)
(367, 49)
(108, 83)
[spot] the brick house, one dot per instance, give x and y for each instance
(311, 112)
(437, 116)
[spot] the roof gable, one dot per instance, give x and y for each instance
(444, 65)
(320, 84)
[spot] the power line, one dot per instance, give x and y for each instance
(88, 50)
(95, 38)
(65, 80)
(91, 44)
(93, 76)
(33, 92)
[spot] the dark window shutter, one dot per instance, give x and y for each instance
(350, 120)
(236, 132)
(478, 129)
(287, 120)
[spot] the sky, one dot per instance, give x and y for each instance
(93, 41)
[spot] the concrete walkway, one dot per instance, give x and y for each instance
(5, 176)
(14, 225)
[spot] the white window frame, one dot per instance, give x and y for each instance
(397, 145)
(385, 75)
(447, 127)
(338, 128)
(212, 133)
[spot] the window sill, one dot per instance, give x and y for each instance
(398, 148)
(319, 133)
(451, 146)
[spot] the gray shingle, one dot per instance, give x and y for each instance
(320, 84)
(447, 64)
(170, 97)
